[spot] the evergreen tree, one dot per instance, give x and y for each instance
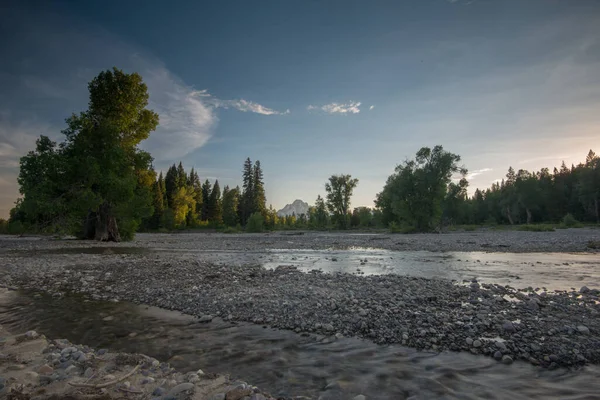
(231, 199)
(259, 197)
(195, 184)
(171, 184)
(205, 197)
(181, 177)
(158, 203)
(247, 201)
(215, 210)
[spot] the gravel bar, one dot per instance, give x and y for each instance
(549, 329)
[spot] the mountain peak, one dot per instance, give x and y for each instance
(298, 207)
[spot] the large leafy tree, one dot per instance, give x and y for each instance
(414, 193)
(101, 178)
(339, 191)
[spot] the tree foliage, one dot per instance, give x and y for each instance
(414, 194)
(97, 183)
(339, 191)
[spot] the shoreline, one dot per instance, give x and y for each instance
(34, 367)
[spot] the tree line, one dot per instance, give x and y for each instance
(181, 200)
(98, 184)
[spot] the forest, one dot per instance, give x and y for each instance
(98, 184)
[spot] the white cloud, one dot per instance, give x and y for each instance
(477, 172)
(240, 105)
(372, 107)
(352, 107)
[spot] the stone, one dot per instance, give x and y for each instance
(109, 377)
(155, 363)
(31, 335)
(507, 360)
(205, 318)
(328, 327)
(469, 341)
(45, 369)
(68, 351)
(237, 394)
(500, 346)
(360, 397)
(193, 378)
(508, 327)
(102, 352)
(363, 313)
(148, 380)
(583, 329)
(257, 396)
(71, 370)
(218, 396)
(32, 375)
(477, 343)
(199, 372)
(159, 391)
(584, 289)
(498, 355)
(182, 387)
(89, 372)
(109, 318)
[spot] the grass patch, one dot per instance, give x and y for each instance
(537, 228)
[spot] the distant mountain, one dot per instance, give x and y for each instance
(297, 207)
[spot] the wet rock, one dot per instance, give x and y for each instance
(507, 359)
(477, 343)
(31, 335)
(498, 355)
(205, 318)
(469, 341)
(584, 289)
(500, 345)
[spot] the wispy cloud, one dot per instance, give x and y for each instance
(238, 104)
(477, 172)
(372, 107)
(351, 107)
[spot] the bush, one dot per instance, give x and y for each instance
(594, 244)
(255, 223)
(570, 221)
(394, 227)
(232, 229)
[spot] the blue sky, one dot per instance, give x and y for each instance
(313, 88)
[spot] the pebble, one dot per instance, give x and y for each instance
(109, 318)
(182, 387)
(328, 327)
(508, 327)
(71, 370)
(498, 355)
(101, 352)
(159, 391)
(218, 396)
(360, 397)
(477, 343)
(89, 372)
(469, 341)
(583, 329)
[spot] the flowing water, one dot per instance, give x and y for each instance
(286, 363)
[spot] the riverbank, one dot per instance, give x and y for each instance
(33, 367)
(563, 240)
(546, 328)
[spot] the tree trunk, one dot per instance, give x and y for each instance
(528, 215)
(509, 216)
(101, 226)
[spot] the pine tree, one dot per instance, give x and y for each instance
(158, 202)
(248, 193)
(215, 210)
(206, 197)
(181, 176)
(259, 199)
(231, 199)
(171, 184)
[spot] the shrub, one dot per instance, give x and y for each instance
(255, 223)
(594, 244)
(570, 221)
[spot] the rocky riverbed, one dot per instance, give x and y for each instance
(33, 367)
(562, 240)
(546, 328)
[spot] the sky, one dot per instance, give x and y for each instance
(314, 88)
